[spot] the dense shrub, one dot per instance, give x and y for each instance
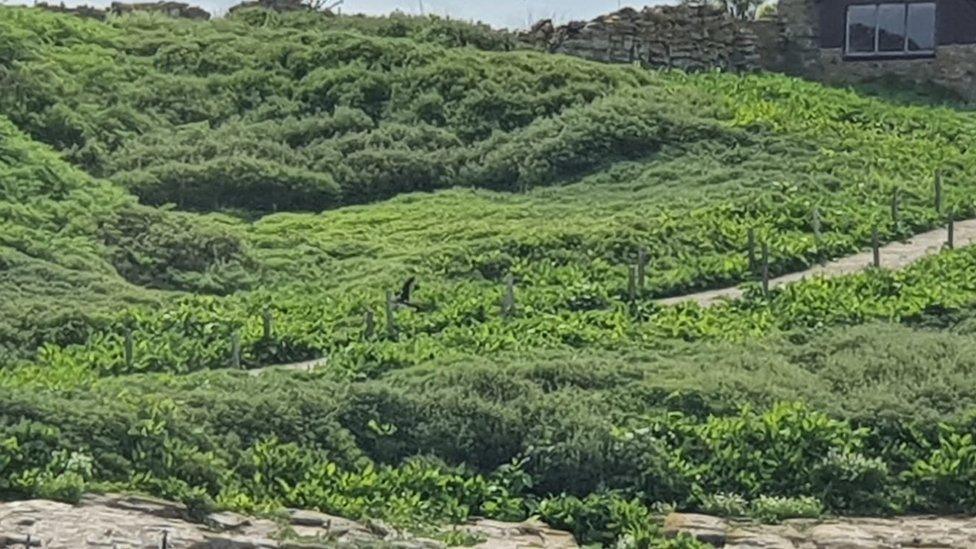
(583, 406)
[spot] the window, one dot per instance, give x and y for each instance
(891, 29)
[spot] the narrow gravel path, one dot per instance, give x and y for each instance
(307, 366)
(896, 255)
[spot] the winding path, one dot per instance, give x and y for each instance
(306, 366)
(896, 255)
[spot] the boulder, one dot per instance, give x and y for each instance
(702, 527)
(116, 520)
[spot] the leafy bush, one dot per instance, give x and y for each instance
(601, 518)
(724, 505)
(776, 509)
(945, 479)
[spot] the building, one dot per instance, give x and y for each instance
(850, 41)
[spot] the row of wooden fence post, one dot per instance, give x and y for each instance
(636, 282)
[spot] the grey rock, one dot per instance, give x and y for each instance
(116, 521)
(702, 527)
(842, 533)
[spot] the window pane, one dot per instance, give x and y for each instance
(921, 27)
(860, 28)
(891, 27)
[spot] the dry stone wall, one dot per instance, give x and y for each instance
(172, 9)
(688, 37)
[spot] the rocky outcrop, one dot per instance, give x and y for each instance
(279, 5)
(848, 533)
(79, 11)
(140, 522)
(173, 9)
(685, 36)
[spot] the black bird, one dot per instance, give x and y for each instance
(408, 287)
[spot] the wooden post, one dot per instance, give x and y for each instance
(632, 283)
(391, 328)
(508, 302)
(164, 544)
(938, 192)
(129, 349)
(641, 268)
(951, 234)
(765, 269)
(815, 223)
(27, 542)
(895, 207)
(876, 247)
(370, 322)
(268, 319)
(752, 250)
(235, 349)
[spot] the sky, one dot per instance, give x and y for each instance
(498, 13)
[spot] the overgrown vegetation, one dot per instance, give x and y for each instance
(612, 433)
(584, 406)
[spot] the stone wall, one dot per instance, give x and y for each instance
(800, 38)
(770, 44)
(274, 5)
(688, 37)
(173, 9)
(80, 11)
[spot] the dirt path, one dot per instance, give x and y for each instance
(896, 255)
(307, 366)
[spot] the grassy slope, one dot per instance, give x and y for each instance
(682, 165)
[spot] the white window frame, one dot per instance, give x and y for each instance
(905, 52)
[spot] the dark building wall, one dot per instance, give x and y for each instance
(813, 35)
(955, 21)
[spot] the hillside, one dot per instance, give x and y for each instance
(179, 197)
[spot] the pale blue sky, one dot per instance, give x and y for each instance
(499, 13)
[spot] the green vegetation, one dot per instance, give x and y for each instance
(157, 184)
(604, 429)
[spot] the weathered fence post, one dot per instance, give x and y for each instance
(951, 234)
(235, 349)
(938, 192)
(752, 250)
(164, 543)
(632, 276)
(508, 302)
(895, 207)
(876, 247)
(391, 328)
(129, 349)
(815, 224)
(267, 318)
(765, 269)
(27, 542)
(641, 268)
(370, 324)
